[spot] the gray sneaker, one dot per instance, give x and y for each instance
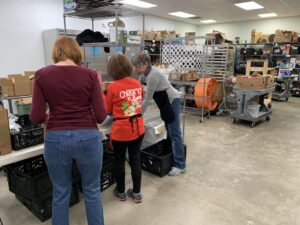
(121, 196)
(176, 171)
(137, 198)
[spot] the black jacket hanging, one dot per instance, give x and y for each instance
(89, 36)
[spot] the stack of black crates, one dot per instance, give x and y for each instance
(30, 182)
(107, 174)
(30, 134)
(158, 159)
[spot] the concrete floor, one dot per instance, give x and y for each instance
(237, 175)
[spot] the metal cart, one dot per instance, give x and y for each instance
(286, 81)
(244, 99)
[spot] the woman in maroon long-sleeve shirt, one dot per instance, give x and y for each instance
(75, 107)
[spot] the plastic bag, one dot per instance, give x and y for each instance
(13, 125)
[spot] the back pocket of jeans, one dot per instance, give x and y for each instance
(90, 147)
(52, 149)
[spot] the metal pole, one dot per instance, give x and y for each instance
(143, 37)
(184, 112)
(93, 28)
(117, 20)
(84, 58)
(160, 56)
(65, 25)
(203, 99)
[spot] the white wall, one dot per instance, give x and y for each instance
(243, 29)
(22, 23)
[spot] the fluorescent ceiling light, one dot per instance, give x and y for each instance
(267, 15)
(249, 5)
(208, 21)
(138, 3)
(182, 14)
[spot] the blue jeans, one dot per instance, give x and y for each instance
(85, 147)
(174, 133)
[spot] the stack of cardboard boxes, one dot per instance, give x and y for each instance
(135, 37)
(17, 84)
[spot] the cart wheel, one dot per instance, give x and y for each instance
(268, 118)
(200, 120)
(234, 120)
(252, 124)
(208, 117)
(286, 99)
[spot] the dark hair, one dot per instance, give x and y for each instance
(119, 67)
(66, 48)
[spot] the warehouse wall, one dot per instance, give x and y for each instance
(22, 23)
(243, 29)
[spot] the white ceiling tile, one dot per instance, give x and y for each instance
(222, 10)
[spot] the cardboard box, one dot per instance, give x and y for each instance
(259, 37)
(217, 37)
(29, 74)
(175, 76)
(5, 142)
(149, 35)
(190, 38)
(269, 81)
(21, 84)
(218, 96)
(253, 83)
(189, 76)
(283, 36)
(7, 87)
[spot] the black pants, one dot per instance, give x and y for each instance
(134, 152)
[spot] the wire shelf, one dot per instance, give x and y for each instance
(102, 12)
(111, 44)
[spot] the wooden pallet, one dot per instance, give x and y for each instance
(264, 70)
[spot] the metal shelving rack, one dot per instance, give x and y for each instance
(10, 100)
(210, 61)
(220, 65)
(274, 58)
(100, 11)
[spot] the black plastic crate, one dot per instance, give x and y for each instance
(106, 144)
(28, 137)
(158, 159)
(107, 173)
(42, 207)
(24, 121)
(29, 178)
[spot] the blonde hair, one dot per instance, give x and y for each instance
(119, 67)
(66, 48)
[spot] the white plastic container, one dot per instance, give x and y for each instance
(253, 110)
(155, 132)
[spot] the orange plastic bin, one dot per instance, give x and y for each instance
(206, 89)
